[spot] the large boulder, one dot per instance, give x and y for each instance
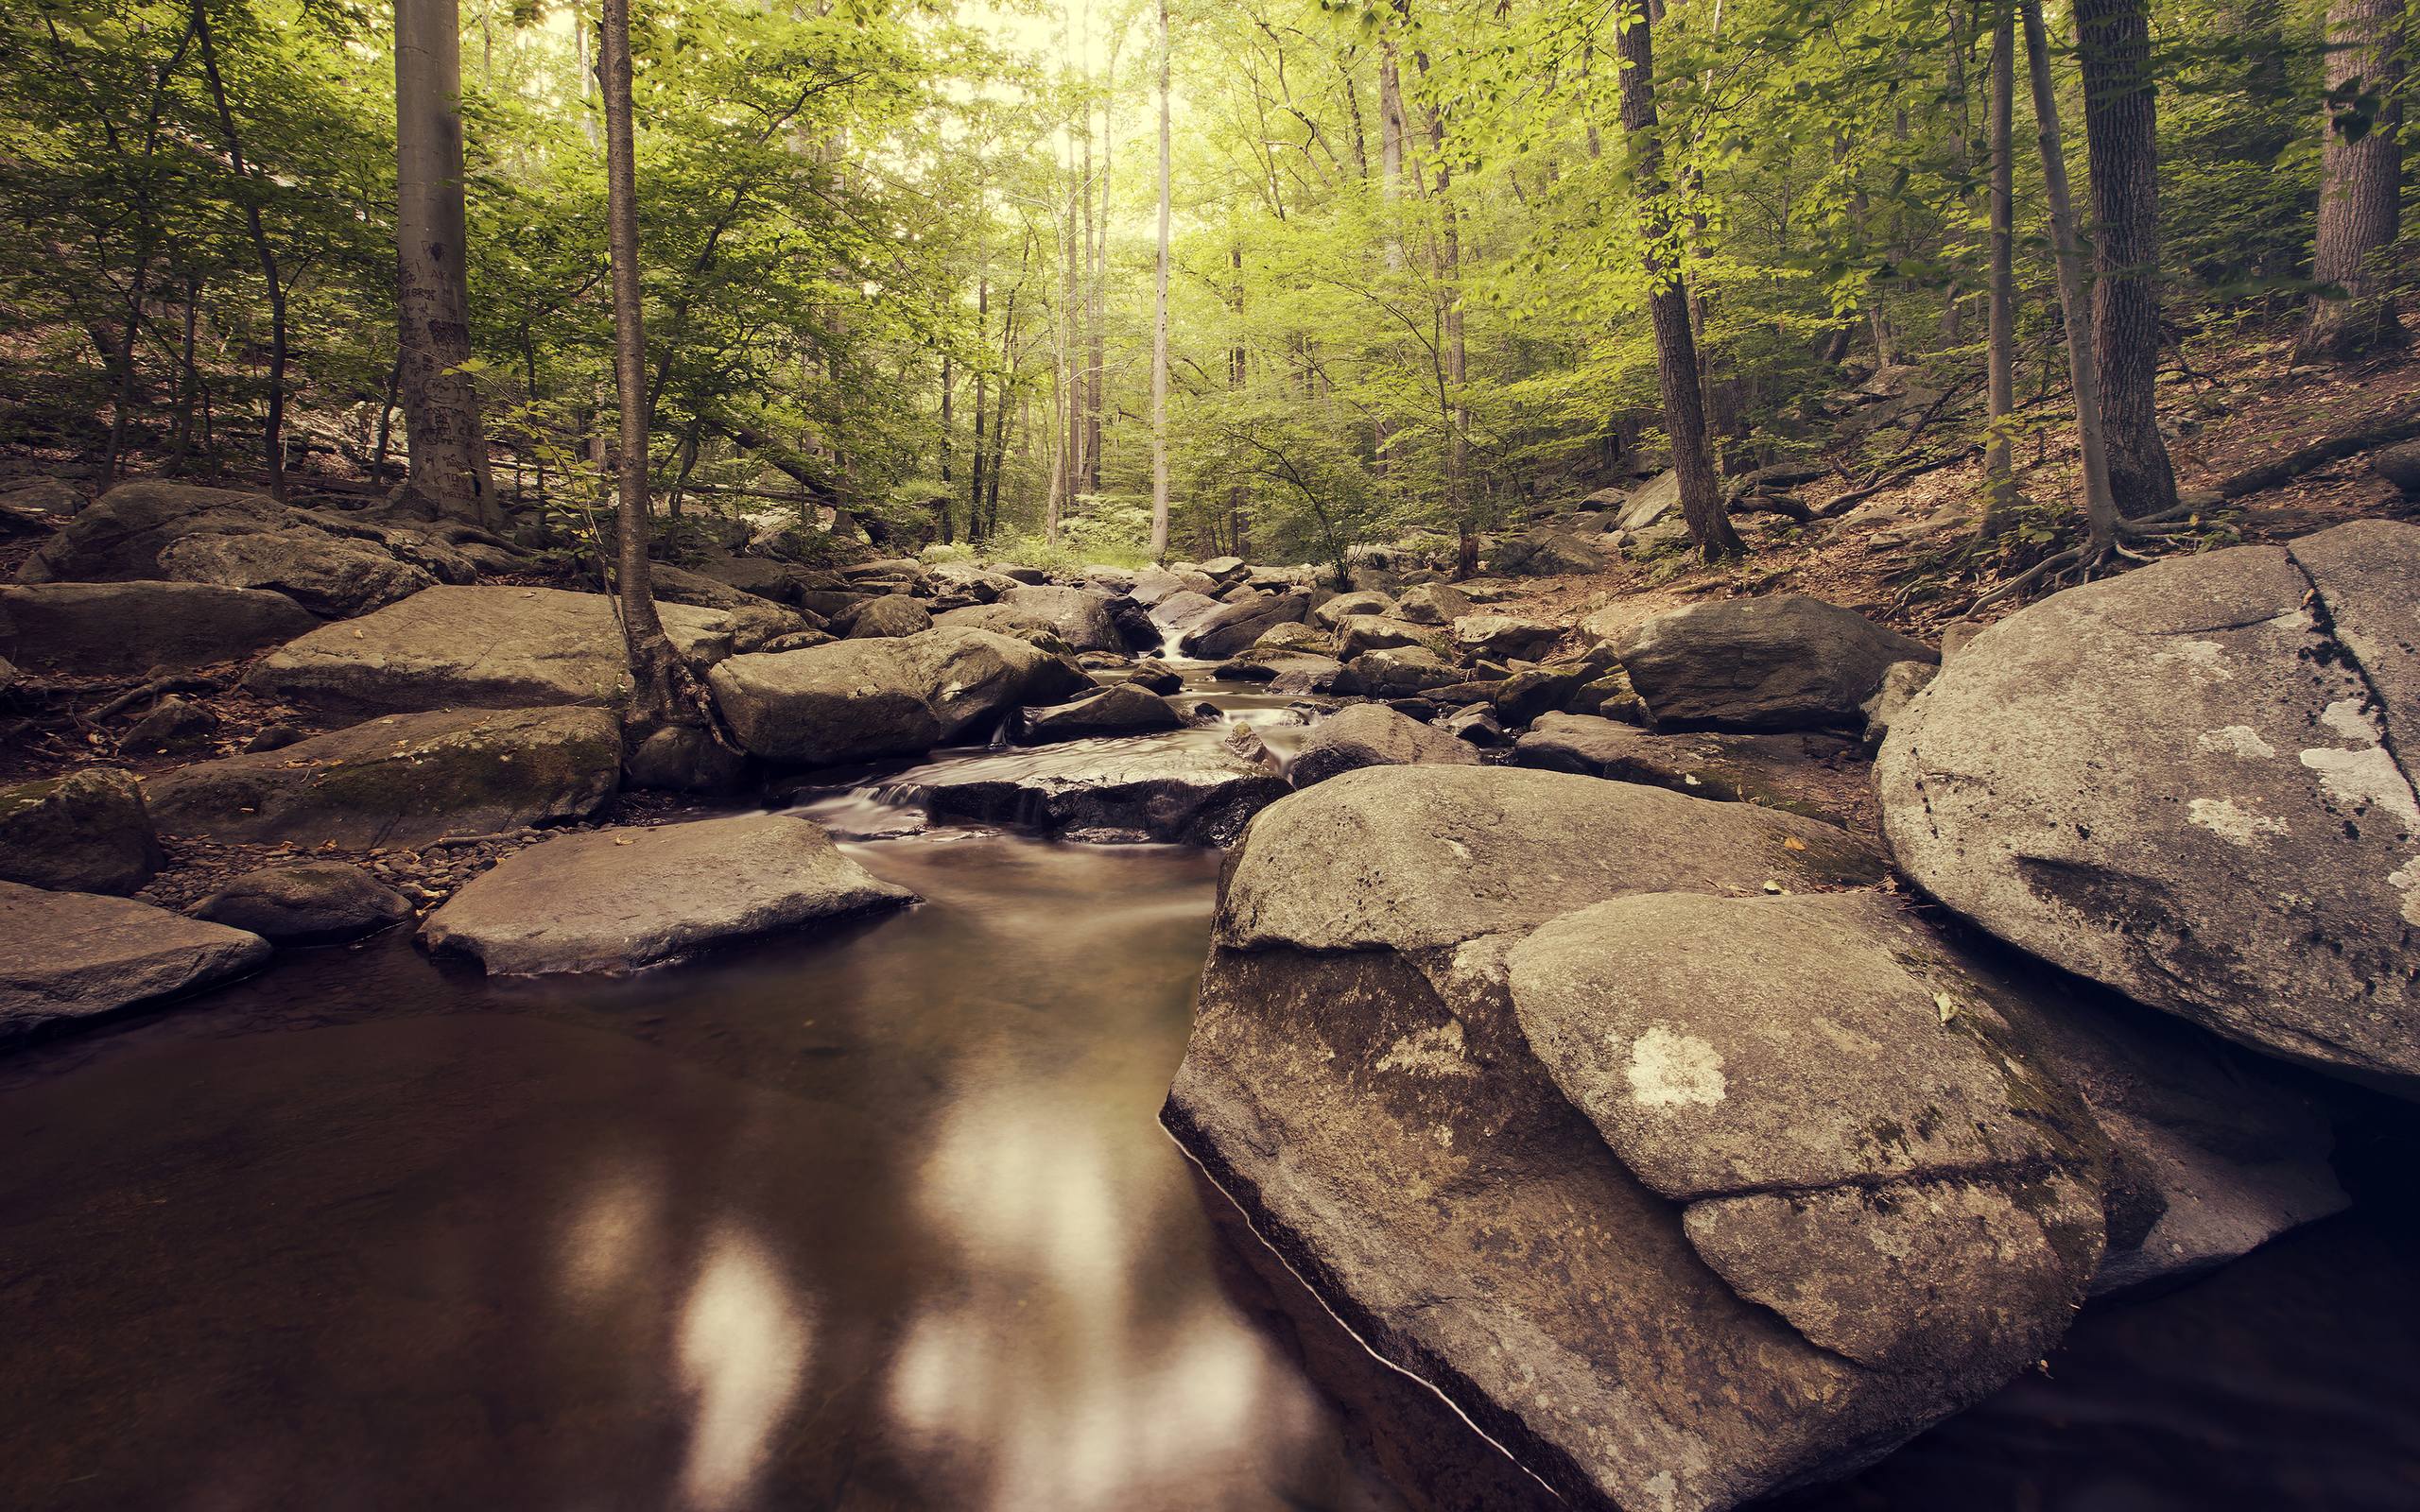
(1357, 633)
(120, 536)
(890, 616)
(403, 780)
(86, 832)
(71, 956)
(855, 701)
(1077, 615)
(1503, 636)
(611, 900)
(1234, 627)
(1372, 734)
(1545, 551)
(1344, 605)
(2190, 783)
(330, 576)
(1433, 604)
(307, 903)
(1183, 789)
(1180, 612)
(1785, 662)
(1396, 672)
(133, 626)
(451, 647)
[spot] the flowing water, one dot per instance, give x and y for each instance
(875, 1218)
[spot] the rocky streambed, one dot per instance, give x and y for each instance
(1598, 1077)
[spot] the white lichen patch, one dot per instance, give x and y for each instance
(2366, 778)
(1436, 1051)
(2350, 719)
(1669, 1070)
(2406, 879)
(2230, 821)
(2206, 660)
(2235, 740)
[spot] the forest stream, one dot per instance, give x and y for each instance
(875, 1217)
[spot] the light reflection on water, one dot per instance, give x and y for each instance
(876, 1220)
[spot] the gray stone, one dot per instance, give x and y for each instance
(1653, 499)
(1186, 789)
(1432, 604)
(402, 779)
(855, 700)
(611, 900)
(1393, 672)
(1544, 551)
(1122, 709)
(1502, 636)
(450, 648)
(894, 614)
(1554, 843)
(309, 902)
(1357, 633)
(1078, 616)
(1901, 682)
(1370, 734)
(73, 955)
(1234, 626)
(1158, 677)
(85, 832)
(2186, 783)
(1786, 662)
(1344, 605)
(334, 578)
(133, 626)
(175, 724)
(1794, 772)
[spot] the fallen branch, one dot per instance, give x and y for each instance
(455, 842)
(1845, 503)
(181, 682)
(2386, 432)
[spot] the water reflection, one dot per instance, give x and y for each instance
(741, 1352)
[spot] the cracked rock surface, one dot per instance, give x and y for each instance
(2193, 784)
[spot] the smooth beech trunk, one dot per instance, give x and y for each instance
(448, 450)
(2120, 119)
(1668, 301)
(1160, 326)
(2000, 359)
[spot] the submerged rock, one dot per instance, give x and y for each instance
(449, 647)
(71, 956)
(2190, 783)
(134, 627)
(610, 900)
(310, 903)
(85, 832)
(1783, 662)
(857, 700)
(403, 780)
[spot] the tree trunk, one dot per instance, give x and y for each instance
(661, 691)
(1160, 326)
(949, 441)
(1668, 302)
(2361, 181)
(449, 476)
(2119, 104)
(386, 424)
(2100, 510)
(273, 428)
(1998, 472)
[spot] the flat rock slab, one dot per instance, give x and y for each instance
(133, 626)
(2193, 783)
(613, 900)
(71, 956)
(450, 648)
(1179, 789)
(85, 832)
(403, 780)
(860, 701)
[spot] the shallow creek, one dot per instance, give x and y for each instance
(876, 1218)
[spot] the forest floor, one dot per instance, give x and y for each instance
(1909, 556)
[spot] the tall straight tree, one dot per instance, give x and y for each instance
(2001, 355)
(663, 695)
(1160, 326)
(2361, 183)
(2100, 510)
(1667, 298)
(2120, 139)
(449, 455)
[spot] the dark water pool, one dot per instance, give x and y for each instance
(880, 1219)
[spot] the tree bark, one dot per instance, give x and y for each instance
(2121, 140)
(1160, 326)
(2100, 510)
(450, 477)
(1668, 301)
(662, 692)
(2360, 183)
(2000, 361)
(273, 429)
